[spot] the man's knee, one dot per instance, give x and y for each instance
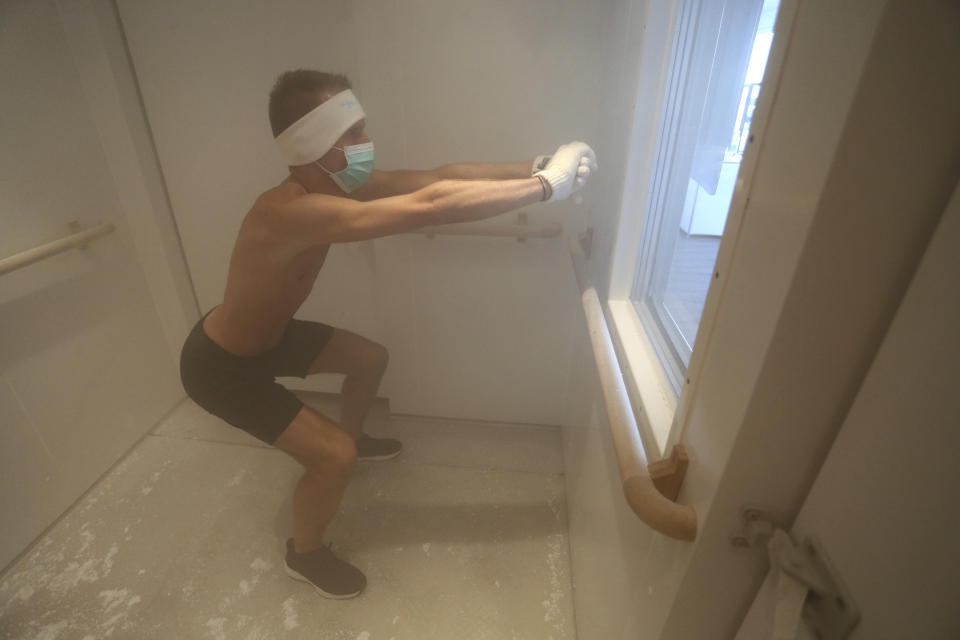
(373, 358)
(337, 455)
(343, 453)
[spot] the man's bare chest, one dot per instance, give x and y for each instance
(306, 265)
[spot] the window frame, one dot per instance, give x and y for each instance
(656, 246)
(661, 409)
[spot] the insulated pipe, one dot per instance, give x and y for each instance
(652, 507)
(28, 257)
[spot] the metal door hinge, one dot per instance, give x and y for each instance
(829, 610)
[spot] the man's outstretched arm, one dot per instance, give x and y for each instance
(383, 184)
(322, 219)
(485, 170)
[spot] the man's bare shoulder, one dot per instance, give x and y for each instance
(289, 214)
(290, 191)
(285, 192)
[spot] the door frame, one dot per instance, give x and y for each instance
(833, 226)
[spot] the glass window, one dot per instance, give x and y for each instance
(718, 55)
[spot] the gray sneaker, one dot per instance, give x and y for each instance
(331, 576)
(377, 448)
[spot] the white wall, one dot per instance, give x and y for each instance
(624, 575)
(86, 365)
(96, 40)
(477, 328)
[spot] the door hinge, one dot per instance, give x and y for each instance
(829, 610)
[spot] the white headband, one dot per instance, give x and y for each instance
(314, 134)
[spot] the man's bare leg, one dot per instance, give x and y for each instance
(364, 362)
(357, 396)
(329, 457)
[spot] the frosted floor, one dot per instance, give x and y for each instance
(464, 536)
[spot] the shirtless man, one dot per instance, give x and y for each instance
(333, 194)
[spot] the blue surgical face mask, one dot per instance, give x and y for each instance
(359, 166)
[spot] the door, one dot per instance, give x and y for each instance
(852, 173)
(85, 367)
(884, 505)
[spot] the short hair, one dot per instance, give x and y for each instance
(298, 92)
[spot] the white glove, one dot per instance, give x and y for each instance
(569, 169)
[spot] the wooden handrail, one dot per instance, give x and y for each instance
(647, 502)
(79, 239)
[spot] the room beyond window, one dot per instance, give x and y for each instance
(717, 61)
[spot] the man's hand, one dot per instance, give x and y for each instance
(568, 169)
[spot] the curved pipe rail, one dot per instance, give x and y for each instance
(652, 507)
(79, 239)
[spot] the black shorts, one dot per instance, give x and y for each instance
(241, 389)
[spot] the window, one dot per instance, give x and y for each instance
(716, 64)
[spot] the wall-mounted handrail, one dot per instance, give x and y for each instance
(79, 239)
(521, 231)
(652, 507)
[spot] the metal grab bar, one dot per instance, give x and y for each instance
(79, 239)
(521, 231)
(652, 507)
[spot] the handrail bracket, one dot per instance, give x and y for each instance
(668, 474)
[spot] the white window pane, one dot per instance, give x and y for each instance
(720, 50)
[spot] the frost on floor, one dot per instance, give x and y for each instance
(184, 539)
